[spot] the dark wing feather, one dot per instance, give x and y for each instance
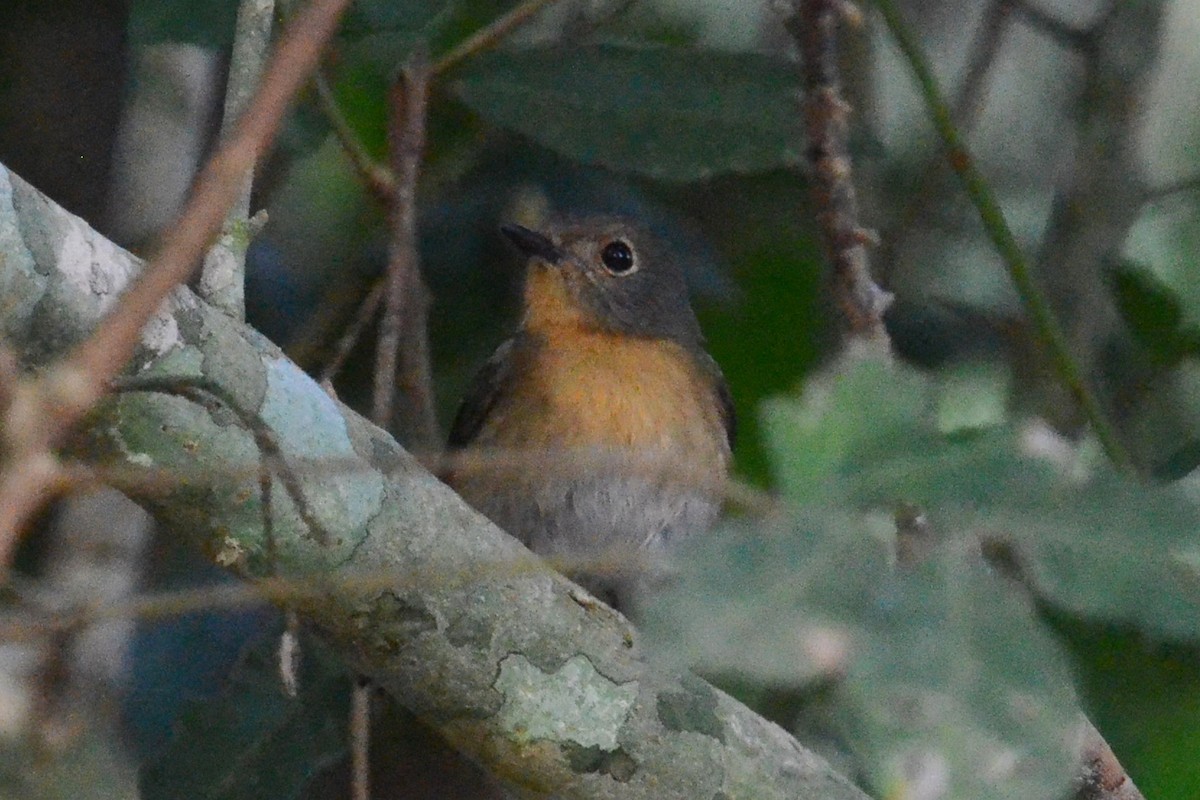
(725, 405)
(724, 397)
(487, 386)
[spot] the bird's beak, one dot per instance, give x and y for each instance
(532, 243)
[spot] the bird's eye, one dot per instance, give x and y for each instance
(617, 257)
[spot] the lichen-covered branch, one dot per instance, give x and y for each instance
(506, 658)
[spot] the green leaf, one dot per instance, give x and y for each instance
(1152, 311)
(1096, 543)
(254, 741)
(843, 415)
(669, 113)
(943, 667)
(373, 17)
(960, 682)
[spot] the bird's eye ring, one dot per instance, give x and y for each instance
(617, 257)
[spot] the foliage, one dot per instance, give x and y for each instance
(899, 577)
(876, 578)
(668, 113)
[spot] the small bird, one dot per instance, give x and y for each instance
(601, 433)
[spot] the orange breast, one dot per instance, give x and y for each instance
(593, 389)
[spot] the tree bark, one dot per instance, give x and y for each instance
(504, 657)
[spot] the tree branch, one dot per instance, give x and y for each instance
(814, 26)
(1071, 373)
(551, 693)
(488, 37)
(223, 277)
(402, 350)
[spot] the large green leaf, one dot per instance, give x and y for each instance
(942, 665)
(1089, 540)
(670, 113)
(254, 742)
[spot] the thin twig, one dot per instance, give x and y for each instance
(270, 451)
(1056, 29)
(965, 111)
(360, 740)
(223, 277)
(814, 26)
(1167, 191)
(1036, 304)
(488, 37)
(375, 176)
(402, 350)
(1103, 777)
(103, 355)
(345, 344)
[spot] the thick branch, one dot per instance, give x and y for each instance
(493, 649)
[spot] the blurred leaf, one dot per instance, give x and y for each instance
(668, 113)
(945, 673)
(372, 17)
(1153, 312)
(377, 40)
(254, 741)
(1101, 545)
(958, 683)
(845, 414)
(945, 669)
(207, 23)
(972, 396)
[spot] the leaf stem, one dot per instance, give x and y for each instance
(1036, 304)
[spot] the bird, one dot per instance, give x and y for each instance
(601, 433)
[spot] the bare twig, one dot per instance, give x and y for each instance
(222, 280)
(375, 176)
(402, 348)
(965, 111)
(814, 27)
(402, 351)
(360, 740)
(1037, 305)
(489, 36)
(345, 344)
(1103, 777)
(103, 355)
(1167, 191)
(271, 454)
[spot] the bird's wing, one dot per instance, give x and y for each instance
(489, 383)
(725, 406)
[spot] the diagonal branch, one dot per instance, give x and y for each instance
(1035, 300)
(500, 657)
